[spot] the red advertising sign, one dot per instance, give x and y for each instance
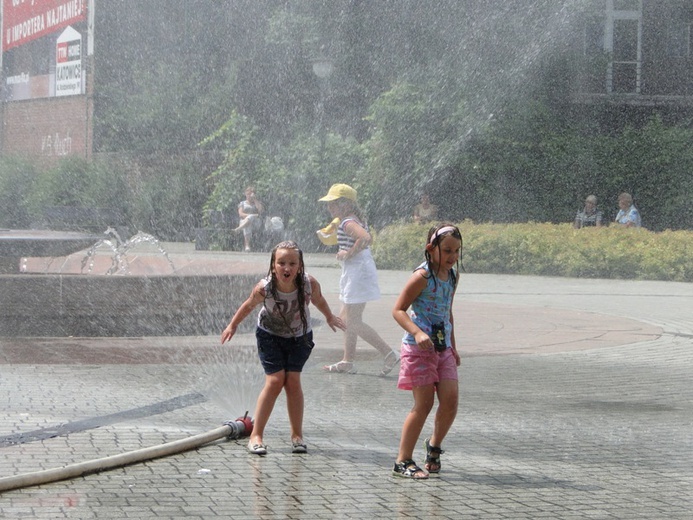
(27, 20)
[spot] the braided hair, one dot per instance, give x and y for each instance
(300, 278)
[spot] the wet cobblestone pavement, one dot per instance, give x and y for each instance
(576, 403)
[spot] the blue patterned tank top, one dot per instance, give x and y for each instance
(433, 306)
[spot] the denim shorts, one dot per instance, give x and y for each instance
(278, 353)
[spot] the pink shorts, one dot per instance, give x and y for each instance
(424, 367)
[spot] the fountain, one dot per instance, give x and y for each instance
(19, 243)
(125, 301)
(120, 250)
(140, 297)
(121, 302)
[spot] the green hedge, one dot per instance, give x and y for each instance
(550, 250)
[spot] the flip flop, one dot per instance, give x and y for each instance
(389, 363)
(341, 367)
(257, 449)
(298, 447)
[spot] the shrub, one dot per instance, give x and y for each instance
(167, 194)
(75, 181)
(550, 250)
(17, 179)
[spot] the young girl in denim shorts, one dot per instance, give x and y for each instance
(284, 337)
(429, 357)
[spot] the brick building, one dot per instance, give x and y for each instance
(47, 84)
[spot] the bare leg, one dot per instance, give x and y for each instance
(246, 226)
(353, 315)
(294, 404)
(346, 365)
(448, 400)
(265, 404)
(247, 221)
(244, 223)
(415, 420)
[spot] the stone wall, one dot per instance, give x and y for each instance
(58, 305)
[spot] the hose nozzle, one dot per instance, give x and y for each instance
(241, 427)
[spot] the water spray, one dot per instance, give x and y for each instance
(241, 427)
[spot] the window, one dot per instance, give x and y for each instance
(622, 40)
(593, 37)
(625, 56)
(679, 41)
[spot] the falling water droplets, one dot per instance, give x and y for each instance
(120, 250)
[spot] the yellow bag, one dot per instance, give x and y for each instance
(328, 234)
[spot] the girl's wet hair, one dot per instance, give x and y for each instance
(300, 278)
(436, 234)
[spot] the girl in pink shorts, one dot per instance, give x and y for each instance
(429, 357)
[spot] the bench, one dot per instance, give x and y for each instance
(218, 234)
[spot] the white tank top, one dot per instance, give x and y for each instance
(282, 317)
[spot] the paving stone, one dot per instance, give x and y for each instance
(575, 403)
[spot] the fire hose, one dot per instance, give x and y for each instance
(241, 427)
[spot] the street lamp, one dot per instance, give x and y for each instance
(322, 68)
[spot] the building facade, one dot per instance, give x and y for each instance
(47, 84)
(637, 52)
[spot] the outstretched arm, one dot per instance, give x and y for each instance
(335, 322)
(256, 297)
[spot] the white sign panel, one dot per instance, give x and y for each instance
(68, 63)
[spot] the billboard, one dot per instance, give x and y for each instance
(43, 48)
(27, 20)
(45, 114)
